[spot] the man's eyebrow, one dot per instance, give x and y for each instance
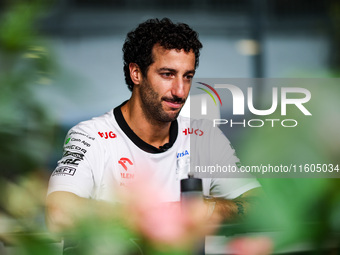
(190, 72)
(175, 71)
(167, 69)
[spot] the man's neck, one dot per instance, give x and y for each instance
(153, 132)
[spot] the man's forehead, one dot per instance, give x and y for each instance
(159, 49)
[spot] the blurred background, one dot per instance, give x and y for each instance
(241, 38)
(61, 63)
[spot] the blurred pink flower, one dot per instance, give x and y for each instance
(161, 222)
(251, 246)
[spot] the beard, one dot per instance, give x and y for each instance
(152, 104)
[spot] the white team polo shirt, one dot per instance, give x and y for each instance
(103, 155)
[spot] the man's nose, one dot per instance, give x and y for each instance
(178, 88)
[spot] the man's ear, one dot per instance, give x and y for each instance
(135, 73)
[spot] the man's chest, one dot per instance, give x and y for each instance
(125, 164)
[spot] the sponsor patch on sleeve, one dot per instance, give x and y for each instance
(64, 170)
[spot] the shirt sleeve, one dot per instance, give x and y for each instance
(218, 164)
(74, 172)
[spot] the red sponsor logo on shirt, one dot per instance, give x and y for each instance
(189, 131)
(107, 135)
(123, 162)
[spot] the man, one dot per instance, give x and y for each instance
(145, 135)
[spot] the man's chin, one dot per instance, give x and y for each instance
(175, 116)
(175, 112)
(171, 117)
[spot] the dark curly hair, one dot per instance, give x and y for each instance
(138, 44)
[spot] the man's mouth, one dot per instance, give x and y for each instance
(174, 103)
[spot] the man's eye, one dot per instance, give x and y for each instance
(166, 74)
(189, 77)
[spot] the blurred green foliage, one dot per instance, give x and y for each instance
(26, 127)
(300, 207)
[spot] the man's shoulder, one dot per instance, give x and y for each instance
(96, 124)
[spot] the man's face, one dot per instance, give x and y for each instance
(167, 83)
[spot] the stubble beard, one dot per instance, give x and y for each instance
(152, 105)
